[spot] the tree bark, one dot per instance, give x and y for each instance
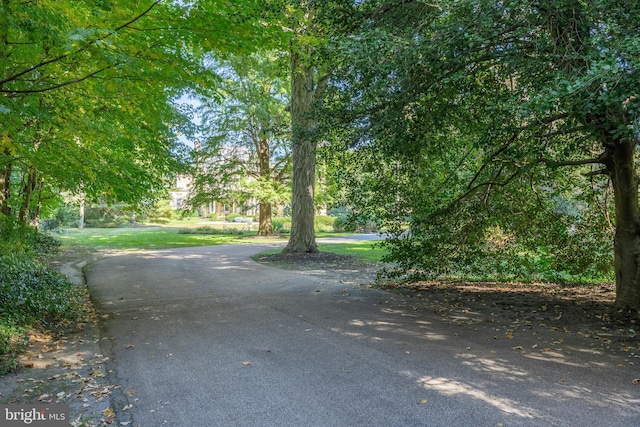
(5, 185)
(27, 195)
(265, 227)
(302, 238)
(81, 213)
(35, 217)
(620, 163)
(5, 157)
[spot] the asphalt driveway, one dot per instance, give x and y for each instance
(207, 337)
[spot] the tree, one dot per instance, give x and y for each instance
(483, 106)
(303, 91)
(246, 154)
(312, 25)
(87, 90)
(85, 98)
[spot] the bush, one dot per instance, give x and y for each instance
(340, 224)
(100, 216)
(15, 239)
(12, 341)
(247, 220)
(281, 225)
(65, 216)
(213, 216)
(201, 230)
(354, 224)
(232, 216)
(32, 293)
(161, 213)
(324, 223)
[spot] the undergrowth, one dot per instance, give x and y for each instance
(31, 294)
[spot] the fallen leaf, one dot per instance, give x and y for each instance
(635, 381)
(246, 363)
(518, 347)
(423, 401)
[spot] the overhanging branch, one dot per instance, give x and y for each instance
(66, 55)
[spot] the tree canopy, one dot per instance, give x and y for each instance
(245, 153)
(486, 137)
(88, 88)
(502, 126)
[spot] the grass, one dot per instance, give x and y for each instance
(363, 250)
(166, 237)
(144, 238)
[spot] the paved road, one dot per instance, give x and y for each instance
(202, 337)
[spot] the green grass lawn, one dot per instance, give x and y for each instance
(144, 238)
(165, 237)
(363, 250)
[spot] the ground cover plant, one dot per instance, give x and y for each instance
(32, 295)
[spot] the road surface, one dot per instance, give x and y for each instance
(207, 337)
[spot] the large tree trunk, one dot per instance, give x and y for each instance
(265, 226)
(620, 164)
(302, 238)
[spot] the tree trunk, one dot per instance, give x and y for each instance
(35, 218)
(302, 238)
(27, 194)
(81, 219)
(265, 227)
(621, 168)
(5, 185)
(5, 156)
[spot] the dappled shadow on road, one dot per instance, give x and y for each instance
(499, 359)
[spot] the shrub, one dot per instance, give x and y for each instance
(32, 293)
(100, 216)
(281, 225)
(161, 213)
(201, 230)
(247, 220)
(354, 224)
(13, 340)
(232, 216)
(324, 223)
(65, 216)
(340, 224)
(27, 241)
